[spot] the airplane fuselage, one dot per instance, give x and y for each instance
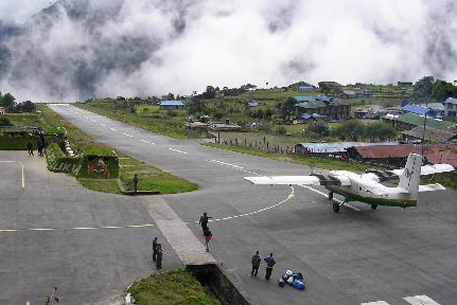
(372, 192)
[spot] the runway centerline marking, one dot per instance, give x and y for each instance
(132, 226)
(177, 150)
(233, 167)
(420, 300)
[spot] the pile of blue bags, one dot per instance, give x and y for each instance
(295, 279)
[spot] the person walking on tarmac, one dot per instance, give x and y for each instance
(208, 237)
(255, 261)
(154, 249)
(204, 221)
(30, 149)
(159, 256)
(270, 260)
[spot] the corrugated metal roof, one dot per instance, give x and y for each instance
(171, 103)
(416, 109)
(253, 104)
(337, 147)
(451, 100)
(435, 153)
(412, 119)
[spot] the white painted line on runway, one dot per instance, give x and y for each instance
(178, 151)
(101, 124)
(23, 175)
(93, 121)
(420, 300)
(334, 199)
(112, 129)
(133, 226)
(22, 171)
(290, 196)
(376, 303)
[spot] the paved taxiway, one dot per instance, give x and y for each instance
(354, 257)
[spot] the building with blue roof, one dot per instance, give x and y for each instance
(451, 107)
(418, 110)
(171, 104)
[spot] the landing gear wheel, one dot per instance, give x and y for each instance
(374, 206)
(330, 195)
(336, 207)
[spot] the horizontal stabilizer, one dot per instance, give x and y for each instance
(429, 169)
(431, 188)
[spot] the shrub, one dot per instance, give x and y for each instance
(4, 121)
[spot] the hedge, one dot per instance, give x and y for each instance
(16, 142)
(81, 167)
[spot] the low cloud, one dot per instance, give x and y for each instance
(79, 48)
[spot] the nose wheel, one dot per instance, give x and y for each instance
(374, 206)
(336, 207)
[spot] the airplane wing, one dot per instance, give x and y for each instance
(314, 179)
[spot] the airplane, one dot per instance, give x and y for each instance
(368, 187)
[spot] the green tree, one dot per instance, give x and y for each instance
(4, 121)
(318, 128)
(209, 93)
(26, 106)
(423, 88)
(286, 108)
(197, 106)
(8, 102)
(442, 90)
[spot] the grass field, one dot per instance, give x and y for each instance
(151, 118)
(172, 288)
(313, 162)
(25, 119)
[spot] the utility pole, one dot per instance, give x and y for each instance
(425, 125)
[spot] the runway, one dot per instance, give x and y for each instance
(358, 256)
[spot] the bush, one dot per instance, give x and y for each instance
(4, 121)
(280, 130)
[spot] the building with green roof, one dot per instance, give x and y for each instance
(409, 121)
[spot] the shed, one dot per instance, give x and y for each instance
(171, 104)
(253, 105)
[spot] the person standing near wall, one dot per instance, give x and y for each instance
(159, 256)
(135, 183)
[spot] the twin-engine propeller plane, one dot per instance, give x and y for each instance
(368, 187)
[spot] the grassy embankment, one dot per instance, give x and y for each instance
(151, 118)
(313, 162)
(172, 288)
(150, 177)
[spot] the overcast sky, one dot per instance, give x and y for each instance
(19, 10)
(233, 42)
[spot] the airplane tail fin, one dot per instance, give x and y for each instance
(410, 179)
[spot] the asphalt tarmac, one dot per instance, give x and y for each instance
(387, 256)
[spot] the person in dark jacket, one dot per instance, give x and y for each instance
(255, 261)
(30, 149)
(154, 249)
(159, 256)
(135, 183)
(270, 260)
(204, 221)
